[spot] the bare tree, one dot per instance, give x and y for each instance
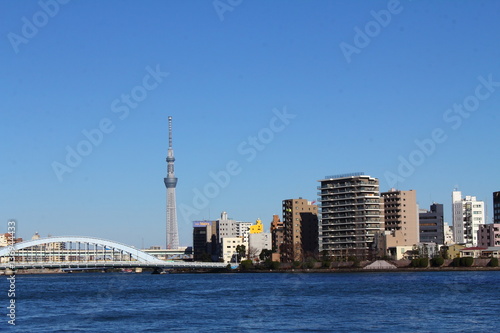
(253, 253)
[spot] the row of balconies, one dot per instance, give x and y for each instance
(345, 241)
(358, 220)
(356, 213)
(349, 184)
(325, 197)
(353, 190)
(392, 217)
(352, 228)
(352, 218)
(352, 196)
(346, 208)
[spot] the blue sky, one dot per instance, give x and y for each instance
(225, 74)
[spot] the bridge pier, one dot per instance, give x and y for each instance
(157, 270)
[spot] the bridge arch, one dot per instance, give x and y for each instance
(139, 255)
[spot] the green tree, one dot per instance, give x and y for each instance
(437, 262)
(415, 262)
(325, 255)
(326, 263)
(444, 252)
(466, 261)
(246, 265)
(265, 255)
(274, 265)
(423, 262)
(493, 262)
(241, 250)
(310, 262)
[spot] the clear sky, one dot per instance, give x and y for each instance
(266, 96)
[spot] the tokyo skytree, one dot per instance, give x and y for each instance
(170, 183)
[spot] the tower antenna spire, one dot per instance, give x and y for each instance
(170, 132)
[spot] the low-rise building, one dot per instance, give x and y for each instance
(453, 250)
(229, 249)
(489, 235)
(257, 243)
(474, 252)
(400, 252)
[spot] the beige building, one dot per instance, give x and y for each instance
(229, 245)
(402, 252)
(300, 230)
(454, 250)
(401, 218)
(276, 237)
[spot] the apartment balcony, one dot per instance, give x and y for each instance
(340, 229)
(367, 196)
(337, 223)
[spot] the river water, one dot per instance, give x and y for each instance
(256, 302)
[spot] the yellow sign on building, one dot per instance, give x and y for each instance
(257, 228)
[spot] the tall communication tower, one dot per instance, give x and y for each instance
(170, 183)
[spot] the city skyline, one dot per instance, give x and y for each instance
(405, 91)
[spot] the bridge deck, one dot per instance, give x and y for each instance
(112, 264)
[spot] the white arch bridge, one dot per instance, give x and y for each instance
(76, 252)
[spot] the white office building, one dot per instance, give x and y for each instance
(468, 214)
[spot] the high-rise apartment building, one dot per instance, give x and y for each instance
(468, 215)
(351, 216)
(432, 224)
(496, 207)
(401, 218)
(300, 230)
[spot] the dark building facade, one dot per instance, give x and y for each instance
(432, 224)
(205, 243)
(496, 207)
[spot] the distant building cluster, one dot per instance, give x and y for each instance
(7, 239)
(353, 220)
